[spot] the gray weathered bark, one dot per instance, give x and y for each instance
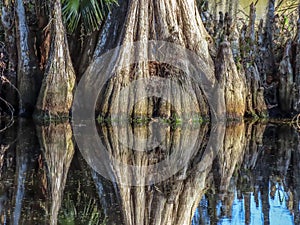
(176, 22)
(233, 82)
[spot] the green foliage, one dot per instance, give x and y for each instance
(86, 214)
(89, 13)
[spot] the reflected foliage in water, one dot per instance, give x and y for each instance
(251, 177)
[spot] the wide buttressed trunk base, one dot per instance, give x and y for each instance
(56, 94)
(234, 82)
(176, 22)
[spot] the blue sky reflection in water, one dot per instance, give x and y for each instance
(279, 214)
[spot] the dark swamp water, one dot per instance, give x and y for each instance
(249, 175)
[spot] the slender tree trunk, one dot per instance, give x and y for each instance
(56, 94)
(296, 181)
(269, 54)
(286, 86)
(43, 33)
(255, 104)
(29, 76)
(296, 100)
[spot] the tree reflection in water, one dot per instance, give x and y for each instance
(253, 177)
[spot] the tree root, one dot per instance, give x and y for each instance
(11, 110)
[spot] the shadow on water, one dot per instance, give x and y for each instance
(241, 173)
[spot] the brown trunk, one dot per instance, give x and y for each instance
(29, 76)
(43, 32)
(58, 148)
(56, 94)
(233, 81)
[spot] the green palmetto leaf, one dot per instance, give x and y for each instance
(89, 13)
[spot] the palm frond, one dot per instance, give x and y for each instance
(89, 13)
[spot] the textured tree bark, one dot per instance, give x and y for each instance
(29, 76)
(43, 33)
(56, 94)
(57, 144)
(233, 82)
(177, 22)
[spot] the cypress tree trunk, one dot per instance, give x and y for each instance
(268, 35)
(255, 104)
(29, 76)
(56, 94)
(234, 82)
(296, 101)
(177, 22)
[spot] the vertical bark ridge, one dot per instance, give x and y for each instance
(171, 21)
(56, 95)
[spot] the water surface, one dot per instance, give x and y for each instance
(250, 177)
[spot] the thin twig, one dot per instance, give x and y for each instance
(5, 80)
(11, 109)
